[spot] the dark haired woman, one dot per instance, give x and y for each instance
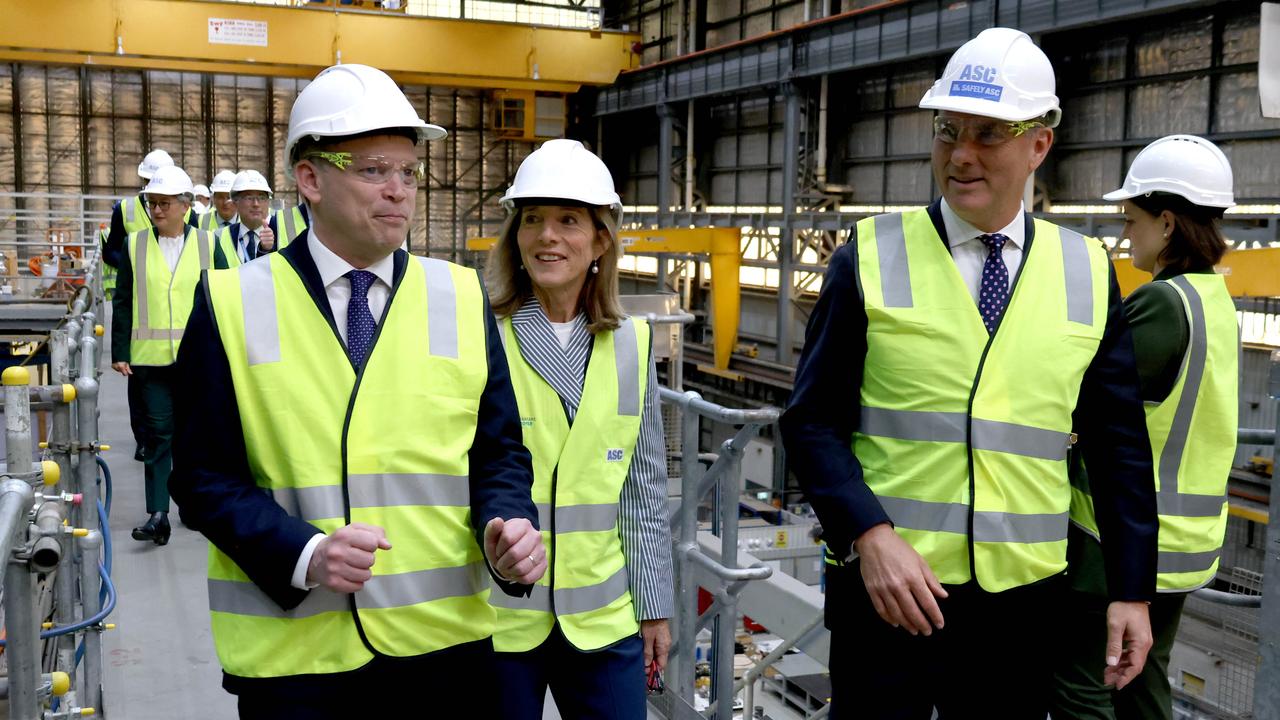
(584, 381)
(1186, 343)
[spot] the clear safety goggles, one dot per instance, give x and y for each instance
(373, 169)
(984, 131)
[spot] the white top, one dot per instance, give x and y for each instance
(564, 331)
(337, 288)
(171, 249)
(970, 253)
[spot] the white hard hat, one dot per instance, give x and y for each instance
(999, 74)
(222, 181)
(250, 180)
(1183, 165)
(349, 100)
(201, 191)
(154, 160)
(564, 170)
(169, 180)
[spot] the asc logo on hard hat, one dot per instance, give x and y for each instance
(977, 81)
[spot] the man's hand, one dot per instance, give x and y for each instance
(122, 368)
(1128, 641)
(266, 239)
(657, 642)
(342, 560)
(514, 550)
(901, 584)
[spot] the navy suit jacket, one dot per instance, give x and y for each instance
(823, 414)
(217, 494)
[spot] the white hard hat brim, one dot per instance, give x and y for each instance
(975, 106)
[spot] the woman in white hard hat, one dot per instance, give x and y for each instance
(1186, 343)
(587, 391)
(201, 204)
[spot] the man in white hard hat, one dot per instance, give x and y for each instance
(201, 204)
(950, 356)
(223, 211)
(353, 449)
(154, 292)
(249, 236)
(128, 216)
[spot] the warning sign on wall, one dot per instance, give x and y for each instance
(227, 31)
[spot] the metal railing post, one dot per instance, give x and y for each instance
(90, 544)
(60, 448)
(687, 539)
(1266, 687)
(87, 471)
(726, 619)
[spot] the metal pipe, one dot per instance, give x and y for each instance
(64, 582)
(727, 619)
(22, 631)
(46, 553)
(1256, 436)
(688, 159)
(1228, 598)
(758, 571)
(91, 691)
(820, 159)
(1266, 690)
(15, 503)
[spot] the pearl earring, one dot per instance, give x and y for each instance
(595, 266)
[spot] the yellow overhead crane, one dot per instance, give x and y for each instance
(722, 245)
(1249, 273)
(280, 41)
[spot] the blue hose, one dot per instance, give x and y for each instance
(87, 622)
(106, 476)
(106, 547)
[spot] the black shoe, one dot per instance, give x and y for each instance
(139, 455)
(155, 529)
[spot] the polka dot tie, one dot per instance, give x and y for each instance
(994, 292)
(360, 324)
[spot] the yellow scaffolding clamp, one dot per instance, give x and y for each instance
(722, 245)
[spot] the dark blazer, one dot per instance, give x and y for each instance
(819, 423)
(217, 494)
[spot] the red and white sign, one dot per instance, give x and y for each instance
(227, 31)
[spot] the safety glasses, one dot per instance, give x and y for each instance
(984, 131)
(373, 169)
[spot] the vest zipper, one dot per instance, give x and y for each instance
(973, 392)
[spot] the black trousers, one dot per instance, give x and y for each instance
(992, 658)
(458, 682)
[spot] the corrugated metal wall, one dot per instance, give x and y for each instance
(1257, 409)
(84, 130)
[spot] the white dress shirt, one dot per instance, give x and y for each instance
(564, 332)
(970, 253)
(171, 249)
(337, 288)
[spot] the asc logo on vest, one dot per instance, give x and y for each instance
(614, 455)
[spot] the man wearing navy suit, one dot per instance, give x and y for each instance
(352, 448)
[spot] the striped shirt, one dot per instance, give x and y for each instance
(642, 505)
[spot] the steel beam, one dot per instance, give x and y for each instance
(884, 33)
(174, 35)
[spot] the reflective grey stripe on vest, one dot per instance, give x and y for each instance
(626, 357)
(568, 600)
(258, 301)
(291, 224)
(140, 248)
(1185, 562)
(924, 515)
(1078, 276)
(130, 207)
(382, 591)
(895, 273)
(411, 588)
(244, 598)
(990, 435)
(442, 308)
(154, 334)
(204, 242)
(375, 491)
(989, 526)
(408, 489)
(1168, 500)
(579, 518)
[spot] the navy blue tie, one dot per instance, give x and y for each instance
(994, 292)
(360, 324)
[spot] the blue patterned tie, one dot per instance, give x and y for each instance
(994, 292)
(360, 324)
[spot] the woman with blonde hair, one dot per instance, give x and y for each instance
(585, 383)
